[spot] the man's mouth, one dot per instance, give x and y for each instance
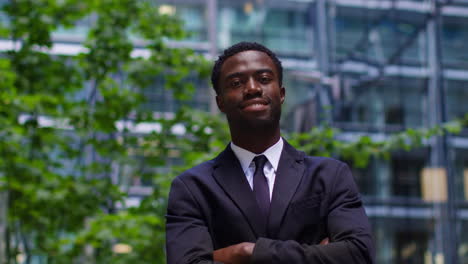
(258, 104)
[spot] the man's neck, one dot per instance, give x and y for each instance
(256, 141)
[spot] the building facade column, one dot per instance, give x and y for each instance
(444, 242)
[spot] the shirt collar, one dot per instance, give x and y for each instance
(245, 157)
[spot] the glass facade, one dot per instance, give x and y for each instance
(160, 99)
(286, 30)
(390, 104)
(195, 19)
(454, 38)
(77, 33)
(376, 36)
(403, 240)
(457, 91)
(378, 67)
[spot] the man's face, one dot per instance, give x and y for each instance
(250, 94)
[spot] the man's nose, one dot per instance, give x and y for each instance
(252, 87)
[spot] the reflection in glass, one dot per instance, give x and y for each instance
(454, 39)
(286, 31)
(456, 96)
(377, 36)
(403, 240)
(394, 103)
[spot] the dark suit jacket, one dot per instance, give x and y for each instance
(211, 206)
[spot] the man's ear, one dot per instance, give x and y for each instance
(220, 103)
(282, 94)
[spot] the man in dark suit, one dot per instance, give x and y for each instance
(261, 200)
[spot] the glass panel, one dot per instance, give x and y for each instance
(75, 34)
(374, 181)
(159, 99)
(403, 240)
(457, 99)
(201, 98)
(407, 172)
(461, 174)
(399, 177)
(463, 239)
(377, 36)
(3, 16)
(192, 15)
(283, 29)
(454, 39)
(297, 91)
(392, 104)
(195, 21)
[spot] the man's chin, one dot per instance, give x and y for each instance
(259, 122)
(265, 120)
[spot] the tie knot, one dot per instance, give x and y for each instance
(260, 161)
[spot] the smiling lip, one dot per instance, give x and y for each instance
(255, 105)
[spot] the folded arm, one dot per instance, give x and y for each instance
(347, 228)
(187, 238)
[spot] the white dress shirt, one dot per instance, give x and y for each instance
(272, 154)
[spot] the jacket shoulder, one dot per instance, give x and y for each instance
(199, 171)
(324, 161)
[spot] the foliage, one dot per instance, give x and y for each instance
(63, 154)
(324, 141)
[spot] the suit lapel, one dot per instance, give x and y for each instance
(289, 174)
(229, 175)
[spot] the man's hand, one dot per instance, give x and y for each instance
(325, 241)
(241, 253)
(235, 254)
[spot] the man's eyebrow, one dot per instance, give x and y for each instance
(238, 74)
(233, 75)
(264, 71)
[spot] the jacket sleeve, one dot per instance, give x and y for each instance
(347, 228)
(187, 238)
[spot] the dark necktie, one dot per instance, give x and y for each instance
(260, 186)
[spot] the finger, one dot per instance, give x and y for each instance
(325, 241)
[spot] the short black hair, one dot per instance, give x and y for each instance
(237, 48)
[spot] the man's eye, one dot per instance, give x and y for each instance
(235, 83)
(265, 79)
